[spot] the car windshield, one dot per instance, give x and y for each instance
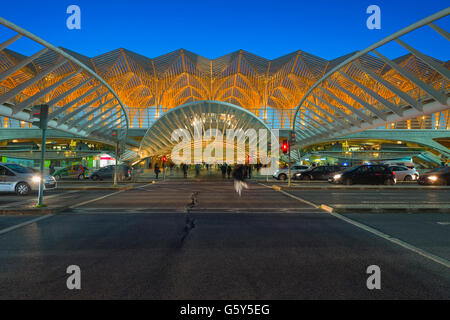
(18, 168)
(350, 169)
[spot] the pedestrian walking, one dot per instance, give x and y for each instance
(157, 171)
(228, 171)
(51, 169)
(197, 170)
(223, 168)
(185, 170)
(239, 177)
(250, 171)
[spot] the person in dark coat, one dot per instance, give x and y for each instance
(185, 170)
(228, 171)
(51, 169)
(223, 168)
(197, 170)
(157, 170)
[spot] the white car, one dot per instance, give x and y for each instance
(21, 180)
(403, 173)
(282, 174)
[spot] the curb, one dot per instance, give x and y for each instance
(32, 211)
(363, 188)
(384, 209)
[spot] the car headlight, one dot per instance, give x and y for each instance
(432, 178)
(337, 176)
(36, 179)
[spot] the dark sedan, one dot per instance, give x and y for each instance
(439, 176)
(123, 172)
(365, 174)
(318, 173)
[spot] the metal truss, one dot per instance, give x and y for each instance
(369, 90)
(207, 115)
(180, 77)
(80, 101)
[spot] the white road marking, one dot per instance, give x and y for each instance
(23, 224)
(292, 196)
(380, 234)
(443, 223)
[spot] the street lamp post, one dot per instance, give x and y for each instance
(291, 141)
(41, 112)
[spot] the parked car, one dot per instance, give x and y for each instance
(318, 173)
(392, 163)
(439, 176)
(21, 180)
(123, 171)
(403, 173)
(282, 174)
(365, 174)
(76, 171)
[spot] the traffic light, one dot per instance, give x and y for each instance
(40, 112)
(114, 133)
(285, 146)
(164, 159)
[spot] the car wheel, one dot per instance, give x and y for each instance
(57, 177)
(81, 177)
(282, 176)
(389, 182)
(348, 182)
(408, 178)
(306, 177)
(95, 177)
(22, 189)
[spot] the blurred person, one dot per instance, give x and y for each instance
(239, 177)
(223, 168)
(229, 171)
(157, 170)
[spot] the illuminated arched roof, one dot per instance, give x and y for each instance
(204, 114)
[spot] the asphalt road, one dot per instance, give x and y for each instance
(150, 243)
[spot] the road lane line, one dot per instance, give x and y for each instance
(294, 197)
(23, 224)
(34, 200)
(103, 197)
